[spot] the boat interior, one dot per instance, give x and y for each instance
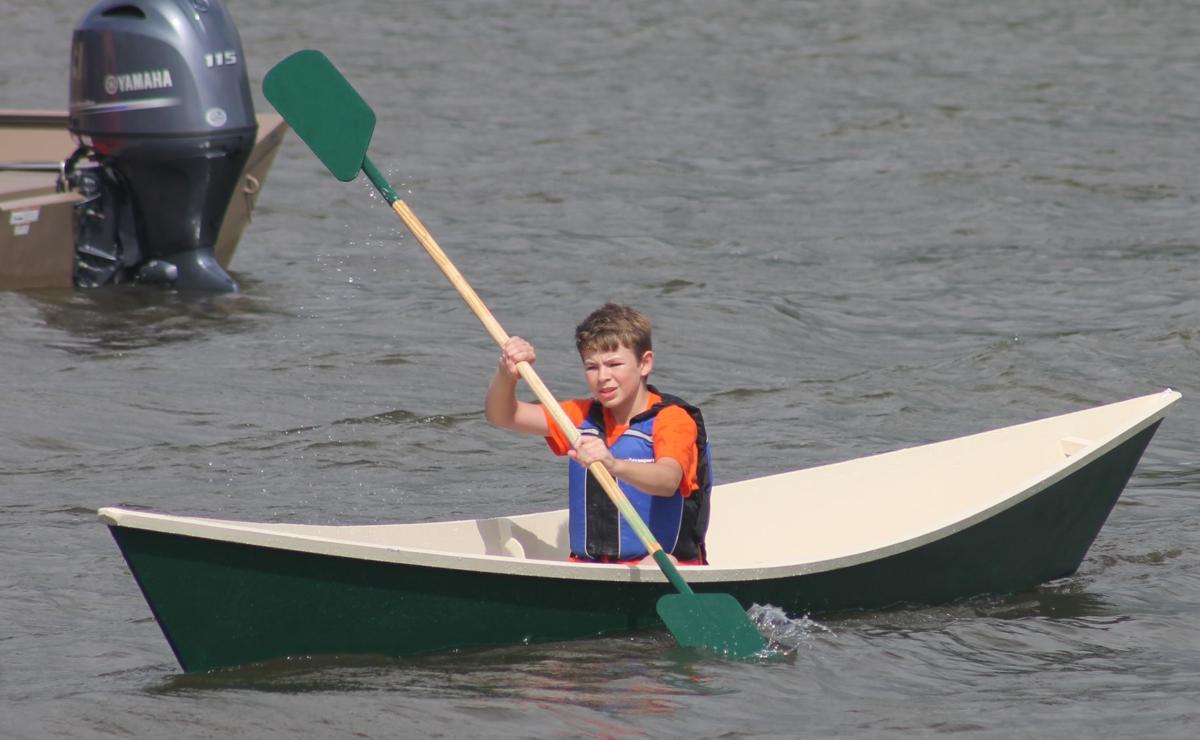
(832, 513)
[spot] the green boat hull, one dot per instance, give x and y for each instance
(223, 604)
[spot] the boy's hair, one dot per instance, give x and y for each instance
(611, 326)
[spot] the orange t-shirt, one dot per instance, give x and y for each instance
(674, 435)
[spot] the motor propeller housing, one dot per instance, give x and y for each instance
(160, 99)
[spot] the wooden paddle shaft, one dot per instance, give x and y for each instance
(526, 370)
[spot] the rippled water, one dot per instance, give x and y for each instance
(857, 226)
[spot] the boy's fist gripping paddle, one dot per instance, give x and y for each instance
(332, 118)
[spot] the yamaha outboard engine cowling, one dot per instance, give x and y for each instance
(161, 99)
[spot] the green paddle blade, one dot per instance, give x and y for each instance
(713, 621)
(323, 109)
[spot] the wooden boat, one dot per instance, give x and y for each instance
(994, 512)
(38, 217)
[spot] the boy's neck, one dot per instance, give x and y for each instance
(640, 402)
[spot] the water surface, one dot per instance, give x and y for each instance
(857, 226)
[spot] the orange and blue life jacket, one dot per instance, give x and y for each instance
(678, 522)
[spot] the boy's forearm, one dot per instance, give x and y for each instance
(500, 405)
(502, 408)
(658, 478)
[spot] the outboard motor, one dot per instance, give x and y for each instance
(160, 102)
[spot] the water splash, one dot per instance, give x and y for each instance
(785, 634)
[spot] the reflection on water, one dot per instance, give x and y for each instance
(1065, 599)
(638, 675)
(123, 318)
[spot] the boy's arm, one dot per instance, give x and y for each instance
(674, 466)
(659, 478)
(501, 406)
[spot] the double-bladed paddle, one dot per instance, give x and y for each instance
(337, 124)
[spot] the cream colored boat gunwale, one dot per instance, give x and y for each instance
(797, 523)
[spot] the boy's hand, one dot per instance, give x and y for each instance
(658, 478)
(589, 449)
(515, 350)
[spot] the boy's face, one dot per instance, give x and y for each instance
(615, 377)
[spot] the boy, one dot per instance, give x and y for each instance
(653, 443)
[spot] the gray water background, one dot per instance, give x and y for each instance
(857, 225)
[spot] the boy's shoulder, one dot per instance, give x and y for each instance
(676, 415)
(576, 408)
